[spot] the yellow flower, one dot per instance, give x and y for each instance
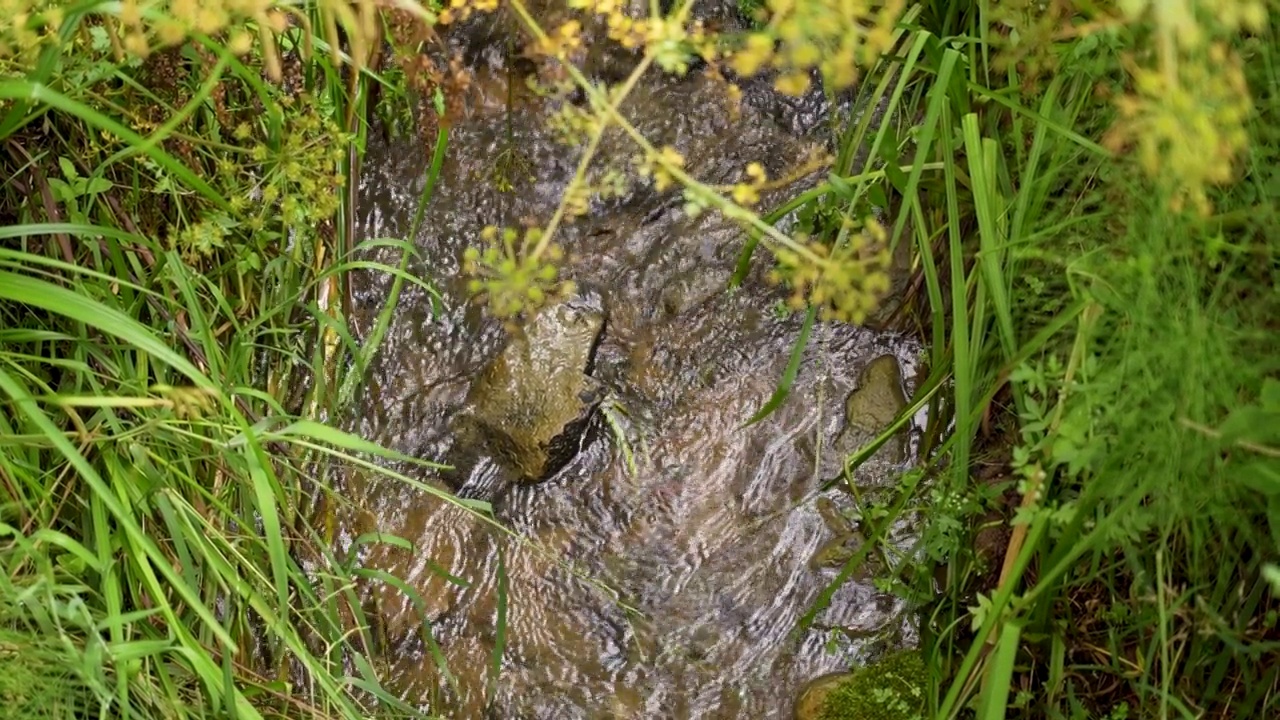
(135, 43)
(241, 43)
(130, 13)
(170, 32)
(185, 11)
(745, 195)
(792, 83)
(828, 35)
(757, 52)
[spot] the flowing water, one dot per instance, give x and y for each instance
(664, 587)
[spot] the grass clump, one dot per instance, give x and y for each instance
(37, 679)
(173, 243)
(1088, 200)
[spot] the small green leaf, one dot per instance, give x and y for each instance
(877, 195)
(61, 190)
(68, 169)
(1260, 477)
(896, 177)
(99, 39)
(1251, 424)
(1271, 394)
(841, 187)
(97, 185)
(375, 538)
(1271, 574)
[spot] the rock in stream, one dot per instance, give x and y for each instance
(532, 403)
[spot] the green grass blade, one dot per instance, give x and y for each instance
(783, 389)
(500, 629)
(73, 305)
(999, 680)
(383, 322)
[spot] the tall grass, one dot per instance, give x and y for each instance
(1111, 393)
(171, 332)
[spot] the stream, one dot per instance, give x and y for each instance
(663, 576)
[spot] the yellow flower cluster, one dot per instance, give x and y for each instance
(460, 10)
(562, 42)
(307, 165)
(166, 23)
(671, 40)
(572, 125)
(748, 193)
(620, 27)
(198, 241)
(510, 275)
(28, 25)
(188, 402)
(294, 183)
(846, 283)
(578, 196)
(1192, 22)
(833, 36)
(1187, 128)
(1186, 117)
(658, 165)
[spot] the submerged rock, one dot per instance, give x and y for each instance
(847, 542)
(891, 689)
(873, 405)
(530, 406)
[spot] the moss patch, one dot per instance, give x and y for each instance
(36, 682)
(892, 689)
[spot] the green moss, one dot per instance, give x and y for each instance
(892, 689)
(752, 11)
(36, 680)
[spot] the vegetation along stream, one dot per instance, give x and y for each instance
(652, 360)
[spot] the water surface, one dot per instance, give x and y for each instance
(669, 592)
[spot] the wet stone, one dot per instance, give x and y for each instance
(813, 698)
(847, 540)
(530, 407)
(872, 407)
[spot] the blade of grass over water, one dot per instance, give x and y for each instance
(383, 321)
(783, 388)
(500, 628)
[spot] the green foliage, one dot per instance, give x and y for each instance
(39, 678)
(753, 11)
(1088, 191)
(171, 256)
(1099, 310)
(891, 689)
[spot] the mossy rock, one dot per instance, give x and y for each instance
(891, 689)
